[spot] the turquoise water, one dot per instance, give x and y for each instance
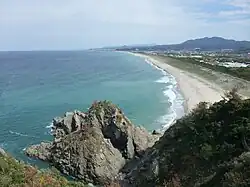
(37, 86)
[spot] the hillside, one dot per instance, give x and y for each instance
(204, 44)
(210, 44)
(17, 174)
(207, 148)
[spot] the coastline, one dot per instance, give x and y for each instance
(194, 89)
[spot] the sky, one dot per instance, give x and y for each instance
(82, 24)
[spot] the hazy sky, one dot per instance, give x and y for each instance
(79, 24)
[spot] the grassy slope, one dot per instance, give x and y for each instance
(17, 174)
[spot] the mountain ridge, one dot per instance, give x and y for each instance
(204, 44)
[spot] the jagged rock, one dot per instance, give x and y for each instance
(63, 126)
(89, 156)
(76, 122)
(142, 142)
(94, 146)
(40, 151)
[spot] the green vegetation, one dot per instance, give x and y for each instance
(98, 106)
(241, 72)
(207, 148)
(102, 107)
(17, 174)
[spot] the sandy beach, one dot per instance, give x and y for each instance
(194, 89)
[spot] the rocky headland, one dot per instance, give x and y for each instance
(94, 146)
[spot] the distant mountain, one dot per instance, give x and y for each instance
(205, 44)
(128, 46)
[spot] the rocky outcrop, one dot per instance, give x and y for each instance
(94, 146)
(40, 151)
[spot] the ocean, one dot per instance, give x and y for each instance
(37, 86)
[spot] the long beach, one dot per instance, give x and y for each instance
(195, 89)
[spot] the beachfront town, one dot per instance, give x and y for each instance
(225, 57)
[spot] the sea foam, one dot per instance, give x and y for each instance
(18, 133)
(21, 134)
(175, 99)
(50, 125)
(169, 92)
(163, 80)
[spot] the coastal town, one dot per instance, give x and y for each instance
(226, 58)
(215, 51)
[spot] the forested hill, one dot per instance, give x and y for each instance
(210, 147)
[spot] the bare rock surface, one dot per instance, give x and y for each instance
(94, 146)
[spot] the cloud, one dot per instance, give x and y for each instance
(78, 24)
(244, 4)
(145, 12)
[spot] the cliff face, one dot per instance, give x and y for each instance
(94, 146)
(207, 148)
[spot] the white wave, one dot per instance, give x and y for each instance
(169, 92)
(172, 80)
(170, 118)
(18, 133)
(179, 104)
(3, 145)
(50, 125)
(21, 134)
(163, 80)
(150, 63)
(174, 97)
(167, 120)
(176, 109)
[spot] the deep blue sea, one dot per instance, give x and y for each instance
(35, 87)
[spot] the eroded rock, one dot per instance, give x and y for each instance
(94, 146)
(41, 151)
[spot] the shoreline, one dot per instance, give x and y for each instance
(185, 106)
(194, 89)
(178, 109)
